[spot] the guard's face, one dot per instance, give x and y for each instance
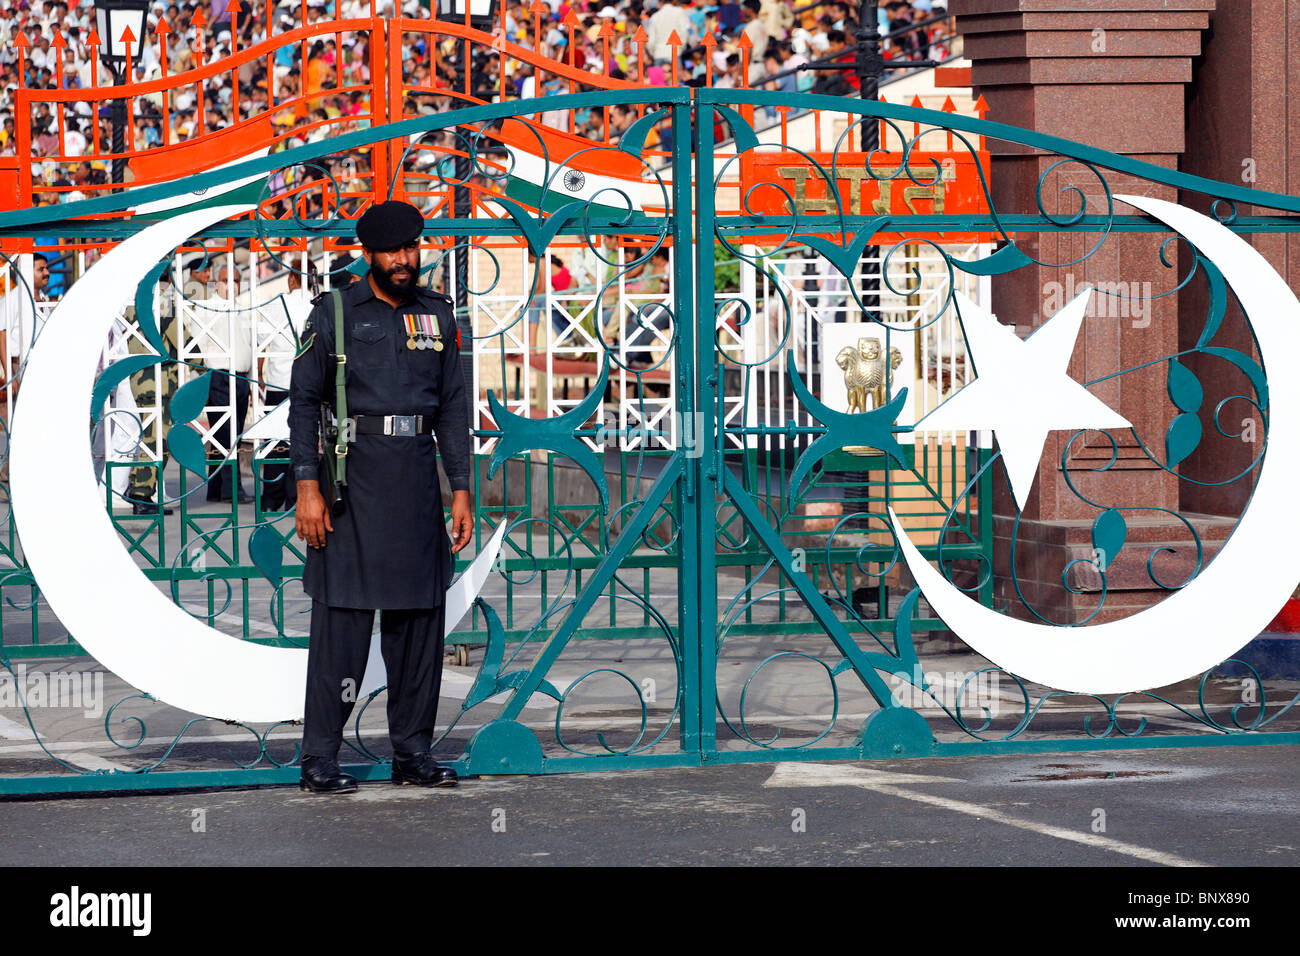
(395, 270)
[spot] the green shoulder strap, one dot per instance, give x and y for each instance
(340, 390)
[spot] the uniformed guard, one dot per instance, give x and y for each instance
(388, 549)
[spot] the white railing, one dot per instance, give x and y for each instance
(532, 351)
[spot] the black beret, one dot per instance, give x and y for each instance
(389, 225)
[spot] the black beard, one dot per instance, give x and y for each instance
(384, 279)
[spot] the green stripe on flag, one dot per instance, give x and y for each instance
(247, 193)
(529, 194)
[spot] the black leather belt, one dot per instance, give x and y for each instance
(403, 425)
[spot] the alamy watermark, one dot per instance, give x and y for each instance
(76, 908)
(1110, 300)
(975, 691)
(690, 429)
(74, 690)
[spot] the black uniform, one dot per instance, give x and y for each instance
(390, 550)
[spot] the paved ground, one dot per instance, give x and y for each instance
(1173, 808)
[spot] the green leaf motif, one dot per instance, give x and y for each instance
(485, 684)
(633, 141)
(1108, 534)
(741, 131)
(1182, 437)
(266, 549)
(1218, 301)
(112, 376)
(186, 447)
(1184, 388)
(144, 316)
(190, 399)
(1007, 259)
(1248, 366)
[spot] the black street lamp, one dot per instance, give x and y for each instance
(482, 16)
(482, 13)
(112, 19)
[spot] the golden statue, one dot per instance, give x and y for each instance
(864, 375)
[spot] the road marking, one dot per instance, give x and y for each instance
(89, 761)
(879, 781)
(798, 774)
(12, 730)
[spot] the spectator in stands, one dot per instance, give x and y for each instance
(670, 18)
(754, 29)
(839, 82)
(778, 18)
(308, 89)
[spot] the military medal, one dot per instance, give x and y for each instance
(423, 332)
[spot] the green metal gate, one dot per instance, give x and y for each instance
(703, 543)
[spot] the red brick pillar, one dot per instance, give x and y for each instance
(1111, 74)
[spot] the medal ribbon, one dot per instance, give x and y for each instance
(422, 325)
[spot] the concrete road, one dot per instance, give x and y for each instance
(1179, 808)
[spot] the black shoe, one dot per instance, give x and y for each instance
(147, 508)
(423, 770)
(322, 775)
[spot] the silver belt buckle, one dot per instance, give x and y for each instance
(403, 425)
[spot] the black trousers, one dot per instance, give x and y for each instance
(225, 476)
(412, 646)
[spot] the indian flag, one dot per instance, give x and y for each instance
(247, 189)
(535, 183)
(578, 171)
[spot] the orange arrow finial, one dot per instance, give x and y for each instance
(640, 36)
(674, 39)
(948, 105)
(127, 36)
(199, 19)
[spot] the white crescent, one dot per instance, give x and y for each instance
(85, 574)
(1236, 595)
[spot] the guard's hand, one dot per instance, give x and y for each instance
(462, 520)
(312, 514)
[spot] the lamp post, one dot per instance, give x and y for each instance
(112, 19)
(480, 15)
(869, 65)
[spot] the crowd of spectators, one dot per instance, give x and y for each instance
(336, 72)
(318, 89)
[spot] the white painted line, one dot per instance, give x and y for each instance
(816, 775)
(798, 774)
(89, 761)
(12, 730)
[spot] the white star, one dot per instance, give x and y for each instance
(1022, 391)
